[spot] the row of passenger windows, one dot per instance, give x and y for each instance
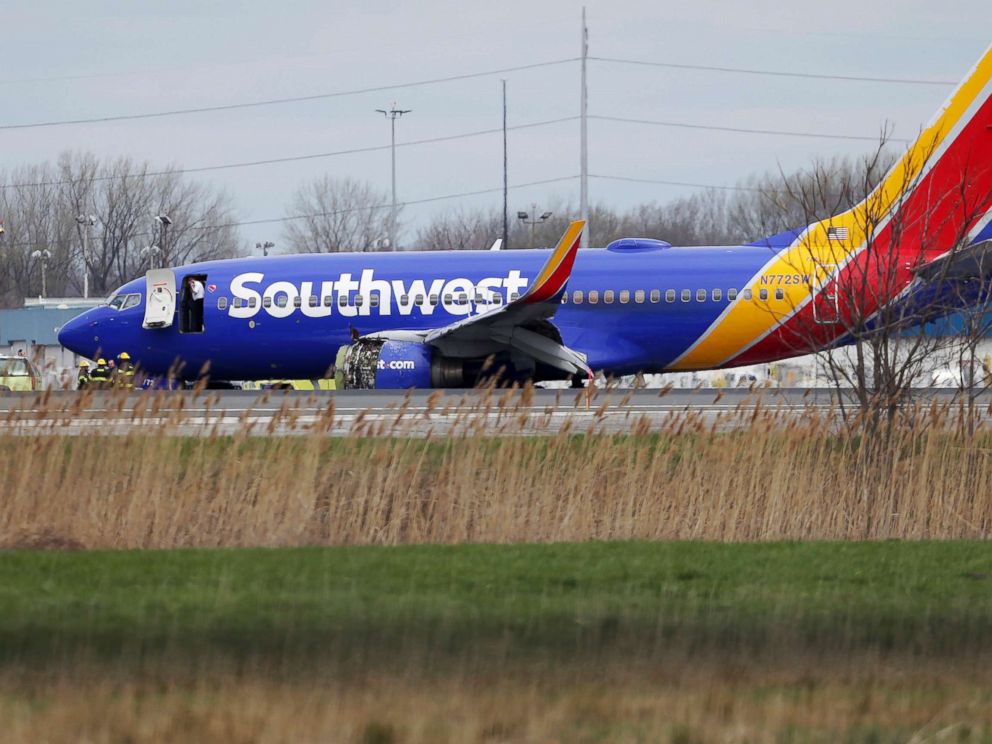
(578, 297)
(608, 296)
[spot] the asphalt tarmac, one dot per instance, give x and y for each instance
(417, 413)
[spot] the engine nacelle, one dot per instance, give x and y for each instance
(397, 365)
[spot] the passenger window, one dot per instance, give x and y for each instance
(656, 295)
(342, 300)
(328, 301)
(779, 294)
(564, 298)
(282, 301)
(222, 303)
(624, 296)
(252, 301)
(747, 294)
(237, 302)
(717, 295)
(266, 302)
(514, 297)
(700, 295)
(686, 295)
(433, 299)
(297, 301)
(462, 298)
(763, 294)
(404, 300)
(374, 300)
(608, 297)
(669, 295)
(447, 299)
(639, 296)
(577, 297)
(497, 299)
(731, 294)
(593, 296)
(418, 300)
(312, 300)
(359, 300)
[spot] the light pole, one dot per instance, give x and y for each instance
(43, 256)
(152, 250)
(264, 247)
(532, 219)
(164, 221)
(393, 114)
(86, 221)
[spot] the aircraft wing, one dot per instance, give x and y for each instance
(522, 325)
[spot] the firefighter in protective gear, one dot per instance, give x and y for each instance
(124, 374)
(100, 376)
(83, 377)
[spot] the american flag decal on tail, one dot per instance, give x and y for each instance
(836, 233)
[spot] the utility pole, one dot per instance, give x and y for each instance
(393, 114)
(506, 207)
(86, 221)
(584, 138)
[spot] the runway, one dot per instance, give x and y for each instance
(420, 413)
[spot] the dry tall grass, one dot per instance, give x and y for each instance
(769, 477)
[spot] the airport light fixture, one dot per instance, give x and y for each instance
(86, 221)
(264, 247)
(393, 114)
(43, 257)
(147, 253)
(165, 221)
(527, 219)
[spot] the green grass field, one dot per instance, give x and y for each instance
(626, 641)
(566, 599)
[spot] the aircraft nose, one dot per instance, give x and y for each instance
(78, 335)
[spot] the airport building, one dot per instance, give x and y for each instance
(32, 330)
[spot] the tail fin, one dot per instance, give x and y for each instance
(938, 194)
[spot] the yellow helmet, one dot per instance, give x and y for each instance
(101, 361)
(84, 363)
(124, 356)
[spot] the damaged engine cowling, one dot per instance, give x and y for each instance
(372, 363)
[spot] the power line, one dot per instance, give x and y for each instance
(280, 101)
(744, 130)
(773, 73)
(287, 159)
(680, 183)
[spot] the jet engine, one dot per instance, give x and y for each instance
(372, 363)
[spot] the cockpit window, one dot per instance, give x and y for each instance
(124, 301)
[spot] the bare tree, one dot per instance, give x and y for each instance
(460, 230)
(328, 215)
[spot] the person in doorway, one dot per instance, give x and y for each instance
(194, 293)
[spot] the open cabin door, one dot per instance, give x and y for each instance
(160, 298)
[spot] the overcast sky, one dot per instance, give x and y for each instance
(67, 59)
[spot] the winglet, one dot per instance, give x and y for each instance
(551, 281)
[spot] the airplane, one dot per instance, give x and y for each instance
(449, 318)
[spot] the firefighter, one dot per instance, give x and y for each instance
(83, 378)
(124, 376)
(100, 376)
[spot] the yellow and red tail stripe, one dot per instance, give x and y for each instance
(937, 192)
(550, 283)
